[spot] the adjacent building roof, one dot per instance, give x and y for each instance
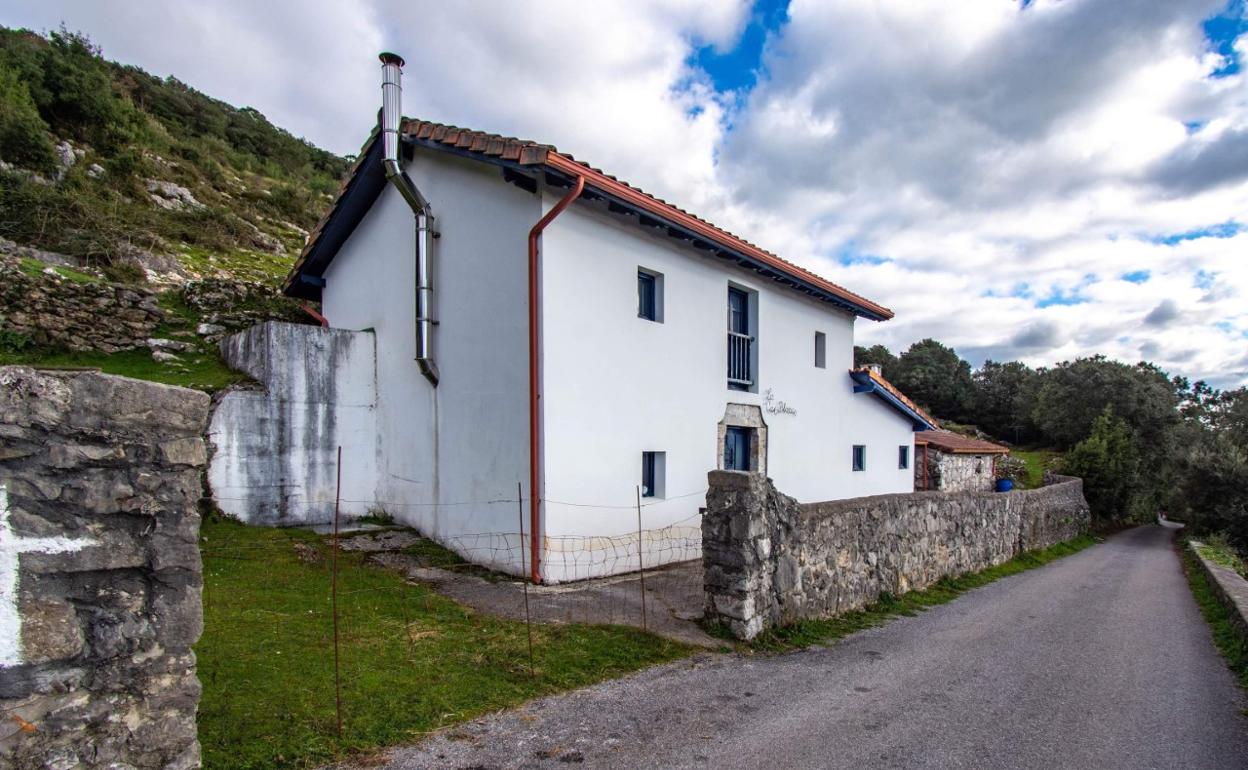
(522, 162)
(956, 443)
(870, 381)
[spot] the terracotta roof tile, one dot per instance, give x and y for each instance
(956, 443)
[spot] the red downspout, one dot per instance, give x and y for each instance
(535, 475)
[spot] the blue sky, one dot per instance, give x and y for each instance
(1038, 180)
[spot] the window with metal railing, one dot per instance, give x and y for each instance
(740, 341)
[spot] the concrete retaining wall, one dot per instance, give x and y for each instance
(1230, 588)
(274, 458)
(100, 574)
(769, 560)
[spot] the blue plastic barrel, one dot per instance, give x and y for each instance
(1005, 485)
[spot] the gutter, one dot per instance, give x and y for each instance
(535, 394)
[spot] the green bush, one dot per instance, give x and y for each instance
(24, 138)
(1108, 461)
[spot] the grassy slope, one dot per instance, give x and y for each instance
(258, 185)
(412, 661)
(1037, 461)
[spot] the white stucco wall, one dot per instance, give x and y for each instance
(616, 385)
(445, 455)
(275, 449)
(613, 385)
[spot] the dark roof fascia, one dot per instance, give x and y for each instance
(361, 192)
(867, 385)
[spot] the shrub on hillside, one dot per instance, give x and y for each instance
(24, 138)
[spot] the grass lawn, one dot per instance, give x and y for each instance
(202, 369)
(1037, 460)
(411, 660)
(808, 632)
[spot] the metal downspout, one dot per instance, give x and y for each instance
(535, 423)
(391, 117)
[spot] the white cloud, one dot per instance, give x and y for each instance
(976, 146)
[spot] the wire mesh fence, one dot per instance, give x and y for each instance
(316, 644)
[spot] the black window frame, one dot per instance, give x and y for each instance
(648, 462)
(821, 350)
(903, 457)
(647, 291)
(859, 460)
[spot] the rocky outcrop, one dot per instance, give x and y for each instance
(52, 310)
(770, 560)
(100, 479)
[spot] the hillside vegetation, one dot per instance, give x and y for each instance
(154, 168)
(111, 175)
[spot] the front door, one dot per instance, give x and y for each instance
(737, 448)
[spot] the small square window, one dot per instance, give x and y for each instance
(860, 457)
(821, 350)
(649, 295)
(903, 457)
(653, 469)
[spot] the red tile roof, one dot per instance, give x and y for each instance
(528, 153)
(956, 443)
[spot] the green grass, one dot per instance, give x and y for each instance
(242, 264)
(202, 369)
(1037, 460)
(808, 632)
(1230, 642)
(35, 269)
(412, 661)
(1219, 551)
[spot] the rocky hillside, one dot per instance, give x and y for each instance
(140, 219)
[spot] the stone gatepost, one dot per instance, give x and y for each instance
(100, 574)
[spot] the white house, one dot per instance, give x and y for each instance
(540, 323)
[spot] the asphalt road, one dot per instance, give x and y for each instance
(1100, 660)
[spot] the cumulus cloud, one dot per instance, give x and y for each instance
(990, 170)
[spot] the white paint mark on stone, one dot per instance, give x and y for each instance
(11, 548)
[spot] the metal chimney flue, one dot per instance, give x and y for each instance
(391, 139)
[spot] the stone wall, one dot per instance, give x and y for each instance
(100, 573)
(959, 472)
(88, 315)
(770, 560)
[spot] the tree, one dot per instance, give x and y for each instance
(1002, 400)
(1073, 394)
(934, 376)
(1108, 461)
(876, 354)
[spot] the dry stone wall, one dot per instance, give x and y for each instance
(56, 311)
(770, 560)
(100, 573)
